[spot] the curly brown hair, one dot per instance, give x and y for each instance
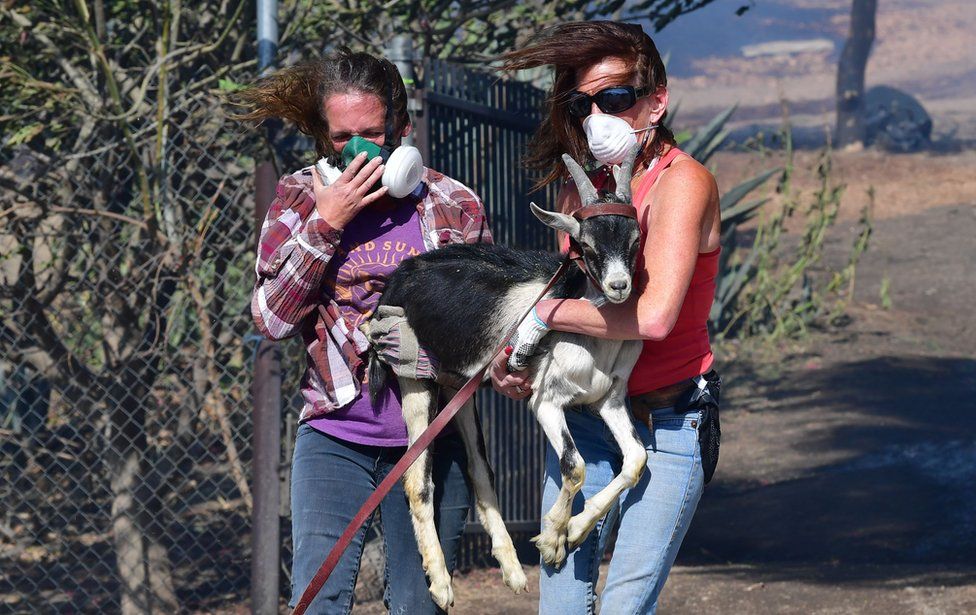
(571, 47)
(297, 93)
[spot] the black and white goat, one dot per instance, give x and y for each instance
(460, 300)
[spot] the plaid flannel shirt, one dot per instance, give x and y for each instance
(292, 258)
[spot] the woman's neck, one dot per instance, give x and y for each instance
(646, 158)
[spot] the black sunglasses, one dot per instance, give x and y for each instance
(614, 99)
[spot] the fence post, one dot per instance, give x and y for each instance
(400, 52)
(266, 439)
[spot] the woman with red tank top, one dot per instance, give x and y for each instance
(610, 94)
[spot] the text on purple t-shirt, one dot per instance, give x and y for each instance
(373, 244)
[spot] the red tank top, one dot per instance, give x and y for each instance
(686, 351)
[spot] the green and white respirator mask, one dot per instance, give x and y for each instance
(404, 166)
(402, 175)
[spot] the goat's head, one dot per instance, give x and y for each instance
(608, 237)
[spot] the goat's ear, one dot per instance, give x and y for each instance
(560, 222)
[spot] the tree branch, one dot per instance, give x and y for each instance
(87, 90)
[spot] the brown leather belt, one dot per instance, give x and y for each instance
(642, 405)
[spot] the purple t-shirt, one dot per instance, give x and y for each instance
(372, 246)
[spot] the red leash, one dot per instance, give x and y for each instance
(425, 439)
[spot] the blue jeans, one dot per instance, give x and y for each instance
(330, 480)
(653, 516)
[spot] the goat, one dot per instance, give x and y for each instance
(460, 300)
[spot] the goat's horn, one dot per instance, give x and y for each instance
(587, 193)
(626, 173)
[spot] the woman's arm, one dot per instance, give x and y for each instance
(476, 230)
(299, 236)
(680, 224)
(294, 250)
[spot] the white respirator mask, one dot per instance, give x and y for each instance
(610, 137)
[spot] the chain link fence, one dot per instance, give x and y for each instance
(126, 364)
(127, 352)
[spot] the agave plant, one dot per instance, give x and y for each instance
(732, 276)
(776, 290)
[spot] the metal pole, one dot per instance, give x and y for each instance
(267, 34)
(266, 440)
(400, 52)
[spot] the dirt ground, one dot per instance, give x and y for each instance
(847, 481)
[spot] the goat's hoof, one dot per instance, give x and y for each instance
(442, 593)
(579, 529)
(552, 546)
(514, 578)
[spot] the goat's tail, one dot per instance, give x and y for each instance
(378, 372)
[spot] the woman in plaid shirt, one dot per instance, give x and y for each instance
(323, 258)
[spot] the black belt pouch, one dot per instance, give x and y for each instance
(704, 396)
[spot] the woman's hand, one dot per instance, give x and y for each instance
(339, 202)
(515, 385)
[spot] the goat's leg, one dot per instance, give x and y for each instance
(418, 400)
(613, 409)
(551, 541)
(483, 480)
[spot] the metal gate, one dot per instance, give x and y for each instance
(475, 128)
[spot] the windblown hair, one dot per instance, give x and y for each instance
(298, 93)
(571, 47)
